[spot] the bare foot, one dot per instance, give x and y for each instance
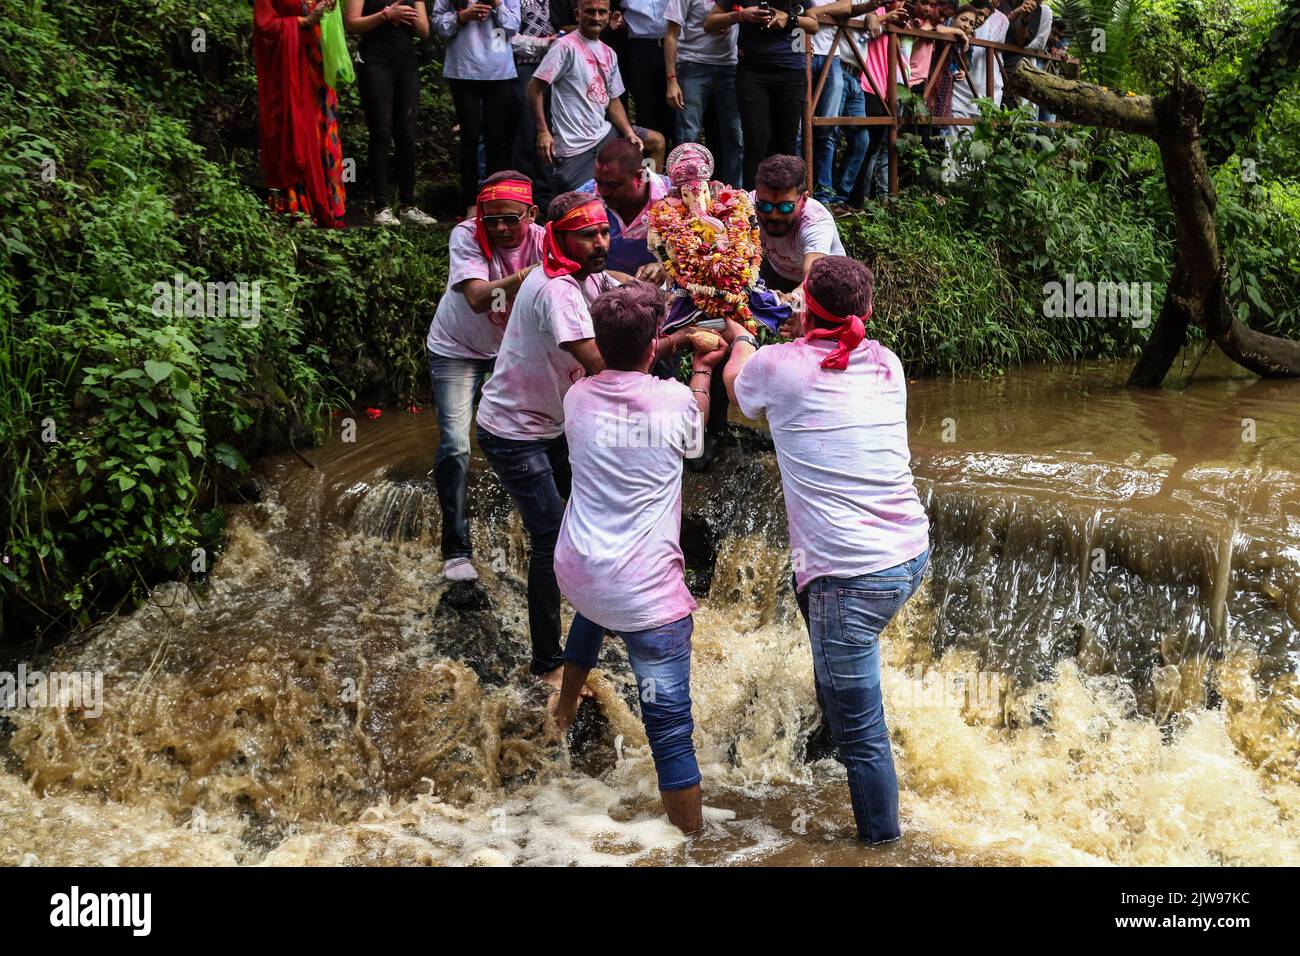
(563, 721)
(555, 679)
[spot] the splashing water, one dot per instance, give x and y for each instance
(1101, 667)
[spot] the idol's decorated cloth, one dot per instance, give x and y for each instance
(706, 235)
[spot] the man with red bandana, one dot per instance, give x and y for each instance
(490, 256)
(836, 404)
(548, 345)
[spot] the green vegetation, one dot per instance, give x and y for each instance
(122, 418)
(129, 147)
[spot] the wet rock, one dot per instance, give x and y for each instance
(245, 489)
(742, 482)
(591, 740)
(466, 628)
(820, 744)
(465, 596)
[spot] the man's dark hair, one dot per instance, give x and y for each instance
(841, 286)
(621, 153)
(506, 174)
(626, 320)
(781, 173)
(564, 202)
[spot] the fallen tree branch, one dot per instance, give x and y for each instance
(1196, 294)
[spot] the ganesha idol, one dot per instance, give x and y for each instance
(706, 235)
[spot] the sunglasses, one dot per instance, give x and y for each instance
(508, 219)
(785, 208)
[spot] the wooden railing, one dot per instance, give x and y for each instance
(947, 47)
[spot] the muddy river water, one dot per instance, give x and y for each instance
(1101, 668)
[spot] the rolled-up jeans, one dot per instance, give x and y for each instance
(702, 84)
(845, 617)
(457, 383)
(661, 661)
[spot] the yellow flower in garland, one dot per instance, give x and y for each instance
(718, 267)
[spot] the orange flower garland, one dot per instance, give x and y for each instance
(718, 275)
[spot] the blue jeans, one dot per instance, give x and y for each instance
(661, 660)
(457, 383)
(824, 136)
(537, 477)
(845, 617)
(857, 139)
(701, 85)
(878, 164)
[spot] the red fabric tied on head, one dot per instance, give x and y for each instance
(517, 190)
(554, 261)
(849, 331)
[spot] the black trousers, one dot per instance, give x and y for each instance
(524, 148)
(537, 477)
(771, 110)
(642, 66)
(484, 108)
(390, 97)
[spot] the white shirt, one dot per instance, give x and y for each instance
(815, 232)
(524, 398)
(480, 49)
(457, 331)
(618, 559)
(823, 38)
(645, 19)
(963, 103)
(841, 443)
(579, 94)
(693, 44)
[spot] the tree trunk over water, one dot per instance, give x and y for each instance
(1197, 290)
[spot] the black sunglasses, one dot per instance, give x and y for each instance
(505, 219)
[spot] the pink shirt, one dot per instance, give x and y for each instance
(876, 57)
(457, 331)
(618, 560)
(841, 443)
(922, 53)
(524, 398)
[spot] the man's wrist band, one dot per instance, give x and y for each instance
(747, 338)
(702, 391)
(701, 371)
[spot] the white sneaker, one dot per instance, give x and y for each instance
(385, 217)
(417, 217)
(459, 569)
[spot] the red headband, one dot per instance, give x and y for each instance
(554, 261)
(849, 330)
(517, 190)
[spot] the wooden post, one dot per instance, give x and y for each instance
(808, 107)
(891, 94)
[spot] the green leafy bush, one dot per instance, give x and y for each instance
(123, 413)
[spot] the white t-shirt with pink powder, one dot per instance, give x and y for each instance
(841, 443)
(815, 232)
(584, 76)
(457, 331)
(618, 558)
(524, 398)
